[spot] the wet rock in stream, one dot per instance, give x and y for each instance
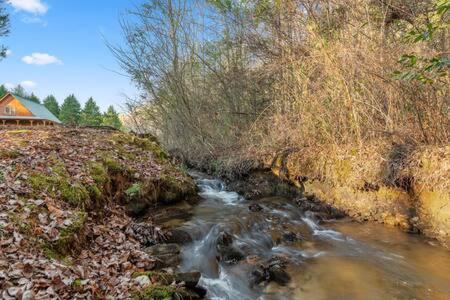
(255, 207)
(166, 255)
(322, 210)
(172, 213)
(226, 251)
(290, 237)
(272, 270)
(178, 236)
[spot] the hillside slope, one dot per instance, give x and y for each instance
(67, 197)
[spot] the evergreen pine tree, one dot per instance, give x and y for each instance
(34, 98)
(91, 116)
(4, 27)
(20, 91)
(52, 105)
(111, 118)
(70, 111)
(3, 91)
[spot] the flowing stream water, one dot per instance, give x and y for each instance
(331, 260)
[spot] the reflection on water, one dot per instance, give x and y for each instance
(337, 260)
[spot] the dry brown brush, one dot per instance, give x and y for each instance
(223, 80)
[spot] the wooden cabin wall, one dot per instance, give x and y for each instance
(21, 110)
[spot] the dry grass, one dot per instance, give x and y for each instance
(430, 168)
(320, 82)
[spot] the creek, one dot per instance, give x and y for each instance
(277, 251)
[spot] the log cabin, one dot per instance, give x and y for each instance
(15, 110)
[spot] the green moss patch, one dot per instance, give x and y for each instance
(142, 143)
(165, 190)
(69, 236)
(98, 173)
(9, 154)
(58, 185)
(112, 165)
(161, 292)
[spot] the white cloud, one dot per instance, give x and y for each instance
(41, 59)
(9, 85)
(8, 52)
(28, 84)
(31, 6)
(34, 20)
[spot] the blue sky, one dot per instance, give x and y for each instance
(57, 47)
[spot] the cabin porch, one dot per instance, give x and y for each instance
(24, 122)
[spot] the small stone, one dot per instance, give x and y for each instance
(199, 290)
(142, 280)
(68, 222)
(255, 207)
(278, 274)
(258, 275)
(190, 278)
(224, 239)
(290, 236)
(39, 202)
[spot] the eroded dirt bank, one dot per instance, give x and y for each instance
(71, 202)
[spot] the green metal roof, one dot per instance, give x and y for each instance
(38, 110)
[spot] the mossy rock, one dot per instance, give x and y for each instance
(166, 190)
(173, 189)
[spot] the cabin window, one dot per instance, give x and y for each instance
(10, 111)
